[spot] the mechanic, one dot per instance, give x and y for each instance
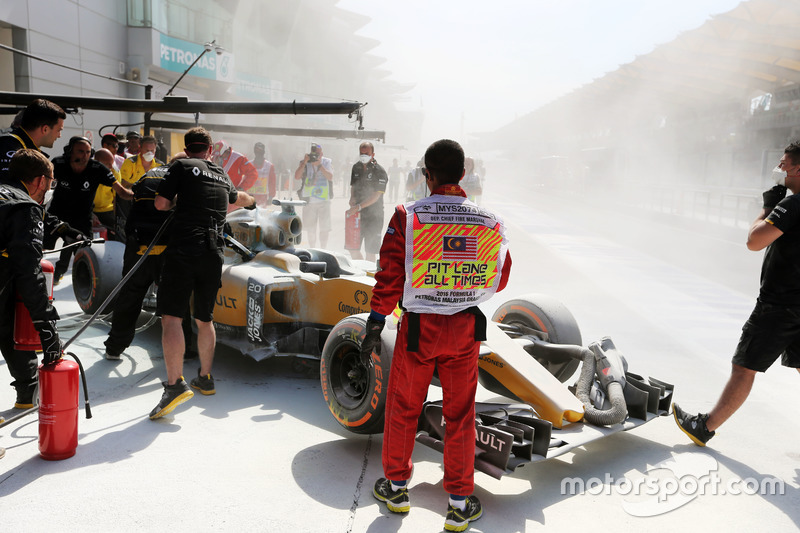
(441, 326)
(104, 197)
(264, 189)
(315, 174)
(200, 191)
(21, 234)
(42, 123)
(773, 328)
(143, 224)
(77, 177)
(367, 185)
(240, 170)
(133, 168)
(41, 127)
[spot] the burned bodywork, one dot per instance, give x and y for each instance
(283, 299)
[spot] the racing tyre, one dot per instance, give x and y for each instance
(356, 396)
(545, 314)
(96, 270)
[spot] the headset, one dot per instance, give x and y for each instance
(73, 141)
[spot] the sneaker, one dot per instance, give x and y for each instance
(458, 520)
(396, 500)
(173, 396)
(693, 425)
(113, 356)
(205, 384)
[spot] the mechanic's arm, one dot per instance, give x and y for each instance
(244, 200)
(762, 233)
(122, 192)
(354, 207)
(24, 260)
(372, 199)
(162, 204)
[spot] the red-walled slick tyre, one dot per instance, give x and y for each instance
(355, 396)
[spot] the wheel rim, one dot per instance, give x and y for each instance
(348, 376)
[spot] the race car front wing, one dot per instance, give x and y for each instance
(512, 435)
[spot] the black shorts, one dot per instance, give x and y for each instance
(371, 231)
(771, 331)
(183, 275)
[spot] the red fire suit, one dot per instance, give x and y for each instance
(447, 343)
(240, 170)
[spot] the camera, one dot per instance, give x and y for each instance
(312, 157)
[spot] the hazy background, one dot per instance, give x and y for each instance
(479, 65)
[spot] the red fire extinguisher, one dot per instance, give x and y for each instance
(352, 231)
(58, 410)
(58, 385)
(26, 338)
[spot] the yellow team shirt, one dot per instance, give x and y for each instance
(132, 169)
(104, 197)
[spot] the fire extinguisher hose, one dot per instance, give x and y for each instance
(121, 283)
(73, 245)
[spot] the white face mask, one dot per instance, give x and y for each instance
(365, 158)
(148, 156)
(779, 176)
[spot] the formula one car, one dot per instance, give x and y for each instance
(279, 299)
(533, 347)
(276, 298)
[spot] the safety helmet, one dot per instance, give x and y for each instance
(220, 147)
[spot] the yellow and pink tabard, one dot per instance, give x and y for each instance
(454, 254)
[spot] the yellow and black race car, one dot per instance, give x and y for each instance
(280, 299)
(276, 298)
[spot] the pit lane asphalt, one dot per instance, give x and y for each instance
(264, 454)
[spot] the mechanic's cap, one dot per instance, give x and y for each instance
(133, 135)
(108, 137)
(259, 145)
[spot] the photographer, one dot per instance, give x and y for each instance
(316, 173)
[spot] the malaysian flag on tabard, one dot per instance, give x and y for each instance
(460, 247)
